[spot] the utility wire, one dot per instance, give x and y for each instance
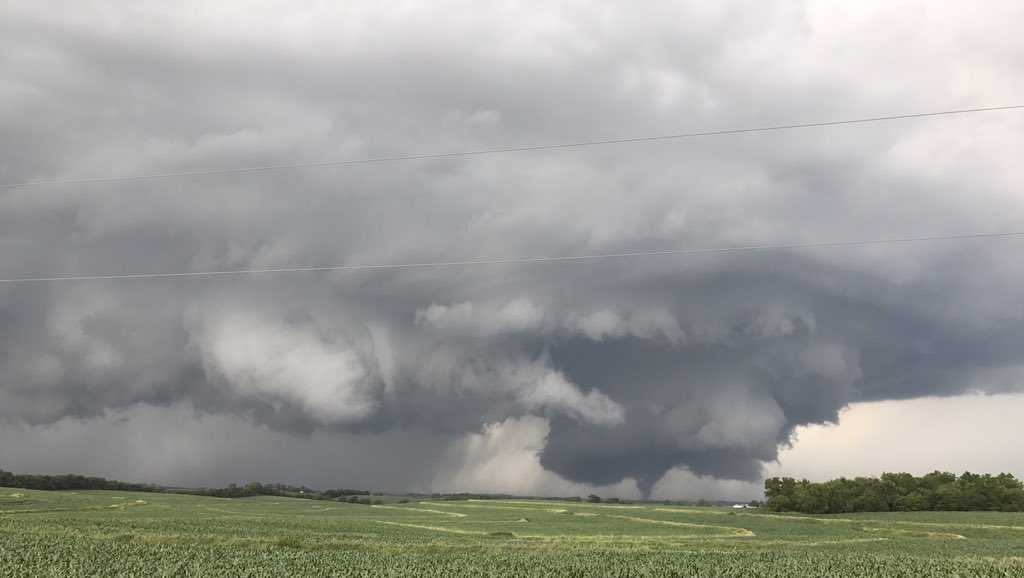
(521, 260)
(480, 152)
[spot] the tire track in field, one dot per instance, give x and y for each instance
(914, 533)
(410, 509)
(120, 506)
(707, 512)
(822, 542)
(489, 507)
(433, 528)
(971, 525)
(733, 532)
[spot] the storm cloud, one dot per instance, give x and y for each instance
(619, 370)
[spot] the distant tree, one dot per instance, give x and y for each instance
(594, 499)
(897, 492)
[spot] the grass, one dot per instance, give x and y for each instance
(98, 533)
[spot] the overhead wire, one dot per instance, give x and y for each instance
(513, 260)
(491, 151)
(519, 260)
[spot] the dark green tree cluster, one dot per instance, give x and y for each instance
(359, 500)
(69, 482)
(339, 492)
(281, 490)
(897, 492)
(469, 496)
(77, 482)
(231, 491)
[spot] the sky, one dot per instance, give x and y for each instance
(662, 376)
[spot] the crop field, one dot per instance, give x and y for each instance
(102, 533)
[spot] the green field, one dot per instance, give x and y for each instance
(102, 533)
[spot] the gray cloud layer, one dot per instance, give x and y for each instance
(639, 366)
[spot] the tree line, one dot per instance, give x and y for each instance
(349, 495)
(69, 482)
(897, 492)
(78, 482)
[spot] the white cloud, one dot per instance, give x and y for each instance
(737, 418)
(682, 484)
(641, 323)
(514, 316)
(831, 361)
(779, 322)
(550, 390)
(271, 360)
(979, 433)
(523, 315)
(504, 458)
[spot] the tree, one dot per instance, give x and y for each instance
(897, 492)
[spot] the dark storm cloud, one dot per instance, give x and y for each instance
(639, 366)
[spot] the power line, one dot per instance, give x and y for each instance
(480, 152)
(521, 260)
